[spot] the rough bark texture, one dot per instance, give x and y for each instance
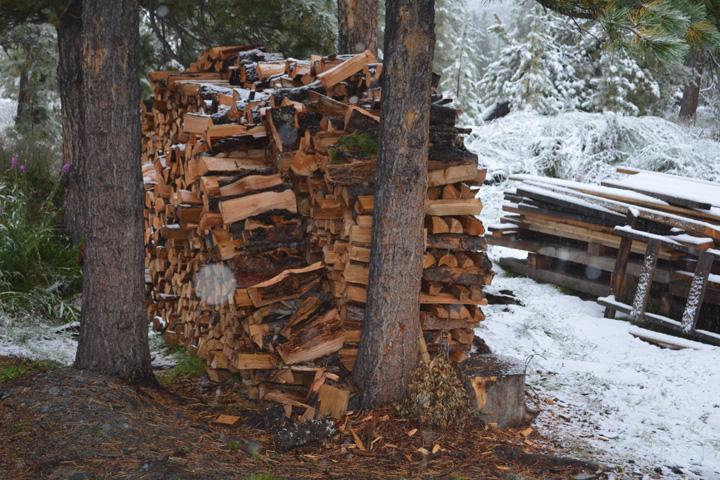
(691, 93)
(389, 348)
(69, 74)
(358, 26)
(113, 328)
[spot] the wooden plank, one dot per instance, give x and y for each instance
(346, 69)
(455, 242)
(702, 335)
(290, 283)
(251, 183)
(237, 209)
(456, 173)
(624, 196)
(617, 281)
(564, 201)
(254, 361)
(689, 225)
(642, 294)
(668, 243)
(196, 123)
(446, 207)
(697, 293)
(672, 189)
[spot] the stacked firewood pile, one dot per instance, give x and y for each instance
(259, 175)
(644, 243)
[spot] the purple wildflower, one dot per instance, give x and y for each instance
(22, 168)
(14, 162)
(66, 168)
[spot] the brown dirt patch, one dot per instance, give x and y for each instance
(64, 423)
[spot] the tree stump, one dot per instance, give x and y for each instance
(496, 385)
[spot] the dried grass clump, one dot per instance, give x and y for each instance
(436, 396)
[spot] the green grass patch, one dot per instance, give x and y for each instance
(12, 372)
(39, 266)
(188, 366)
(12, 368)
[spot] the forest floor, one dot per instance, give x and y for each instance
(60, 423)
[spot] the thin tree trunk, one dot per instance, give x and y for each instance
(358, 26)
(113, 327)
(691, 93)
(69, 75)
(388, 350)
(23, 114)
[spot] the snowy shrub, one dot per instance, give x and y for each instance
(589, 146)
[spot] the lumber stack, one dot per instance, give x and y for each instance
(578, 235)
(259, 177)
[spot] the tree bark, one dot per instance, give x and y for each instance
(113, 328)
(69, 76)
(691, 92)
(358, 26)
(388, 350)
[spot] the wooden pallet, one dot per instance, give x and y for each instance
(637, 311)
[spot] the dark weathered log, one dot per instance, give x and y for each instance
(282, 122)
(359, 120)
(252, 268)
(288, 284)
(443, 116)
(389, 347)
(351, 173)
(298, 94)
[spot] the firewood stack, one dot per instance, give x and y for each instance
(259, 175)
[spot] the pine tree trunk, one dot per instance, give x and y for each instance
(389, 348)
(69, 75)
(358, 26)
(113, 328)
(691, 93)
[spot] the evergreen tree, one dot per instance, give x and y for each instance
(27, 74)
(461, 54)
(551, 64)
(534, 71)
(662, 30)
(620, 85)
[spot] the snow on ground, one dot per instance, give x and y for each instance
(612, 397)
(37, 339)
(7, 112)
(32, 338)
